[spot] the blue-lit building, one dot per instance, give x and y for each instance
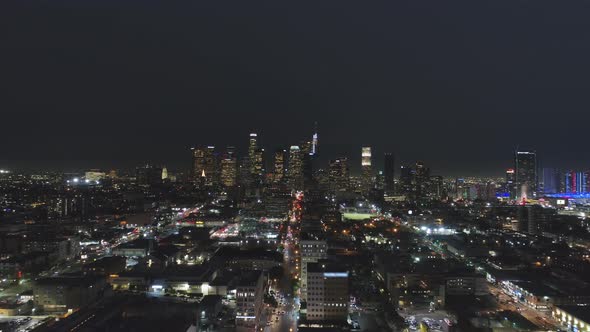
(576, 182)
(550, 180)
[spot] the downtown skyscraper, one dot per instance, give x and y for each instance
(205, 165)
(366, 170)
(295, 170)
(525, 169)
(389, 174)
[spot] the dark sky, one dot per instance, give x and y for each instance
(458, 84)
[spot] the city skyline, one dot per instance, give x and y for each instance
(294, 166)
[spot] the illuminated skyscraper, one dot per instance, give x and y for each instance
(315, 141)
(279, 165)
(295, 170)
(525, 167)
(389, 174)
(339, 177)
(366, 170)
(252, 149)
(229, 168)
(258, 163)
(205, 162)
(511, 183)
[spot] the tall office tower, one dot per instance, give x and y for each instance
(229, 168)
(339, 175)
(406, 179)
(249, 301)
(380, 181)
(436, 188)
(252, 148)
(148, 175)
(422, 179)
(258, 161)
(525, 168)
(328, 295)
(511, 183)
(307, 158)
(315, 141)
(295, 169)
(389, 174)
(279, 165)
(313, 247)
(205, 165)
(366, 170)
(551, 181)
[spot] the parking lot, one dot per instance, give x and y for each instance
(437, 320)
(19, 323)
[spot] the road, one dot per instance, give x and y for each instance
(288, 301)
(506, 302)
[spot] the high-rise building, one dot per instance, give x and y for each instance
(328, 295)
(258, 162)
(148, 175)
(205, 165)
(525, 167)
(406, 180)
(249, 301)
(530, 218)
(279, 165)
(511, 183)
(229, 168)
(389, 174)
(339, 175)
(313, 247)
(576, 182)
(366, 170)
(295, 170)
(550, 181)
(252, 147)
(422, 181)
(315, 141)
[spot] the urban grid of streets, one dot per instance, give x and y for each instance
(285, 316)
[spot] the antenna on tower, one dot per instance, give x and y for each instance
(314, 140)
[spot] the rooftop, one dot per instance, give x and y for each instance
(578, 311)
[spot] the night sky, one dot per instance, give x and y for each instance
(458, 84)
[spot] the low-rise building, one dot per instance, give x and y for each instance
(574, 317)
(67, 294)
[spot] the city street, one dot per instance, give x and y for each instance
(506, 302)
(287, 299)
